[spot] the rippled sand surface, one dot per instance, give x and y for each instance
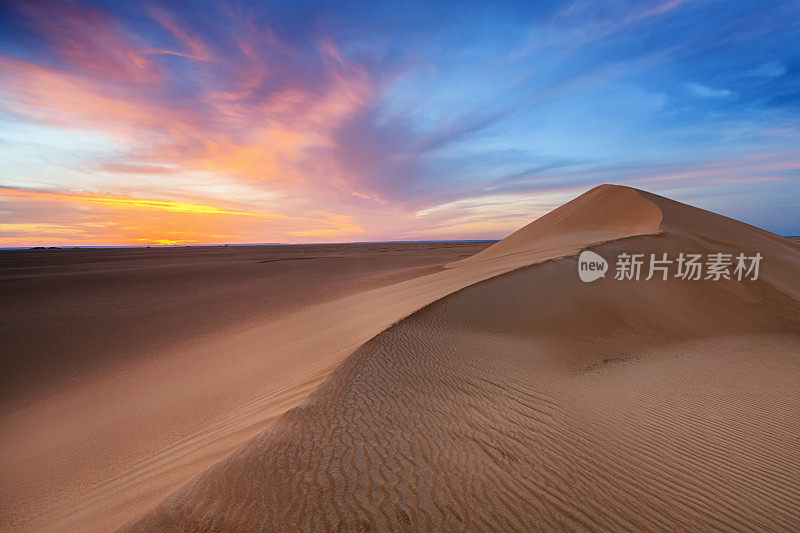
(528, 400)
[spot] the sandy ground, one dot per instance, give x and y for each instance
(443, 390)
(533, 401)
(120, 377)
(67, 313)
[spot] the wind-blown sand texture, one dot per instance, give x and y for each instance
(127, 372)
(534, 401)
(500, 393)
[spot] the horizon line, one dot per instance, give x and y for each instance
(106, 246)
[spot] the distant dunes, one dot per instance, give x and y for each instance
(528, 400)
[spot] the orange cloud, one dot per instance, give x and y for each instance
(333, 225)
(121, 202)
(43, 217)
(98, 219)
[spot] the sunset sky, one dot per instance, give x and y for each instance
(195, 122)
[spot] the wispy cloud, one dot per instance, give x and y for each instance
(705, 91)
(121, 202)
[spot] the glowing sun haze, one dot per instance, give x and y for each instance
(233, 122)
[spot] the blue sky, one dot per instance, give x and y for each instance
(209, 122)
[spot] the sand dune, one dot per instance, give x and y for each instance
(530, 400)
(134, 370)
(94, 453)
(372, 388)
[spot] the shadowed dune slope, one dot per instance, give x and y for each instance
(700, 229)
(534, 401)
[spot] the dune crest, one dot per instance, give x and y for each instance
(530, 400)
(604, 213)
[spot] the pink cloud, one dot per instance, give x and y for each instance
(91, 41)
(245, 119)
(195, 47)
